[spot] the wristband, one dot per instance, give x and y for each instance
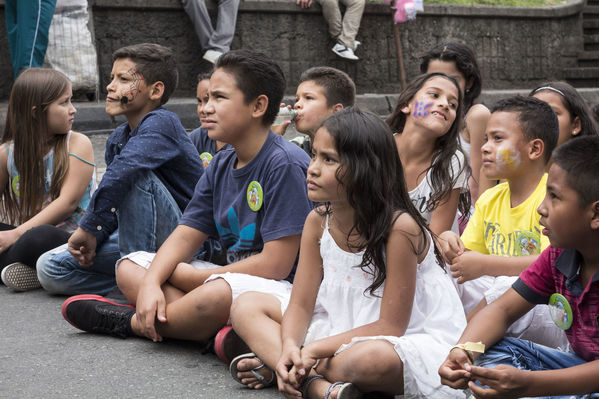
(469, 348)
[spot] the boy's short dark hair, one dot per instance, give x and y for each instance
(256, 74)
(578, 158)
(203, 76)
(537, 120)
(338, 87)
(155, 63)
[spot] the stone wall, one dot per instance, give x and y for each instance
(516, 47)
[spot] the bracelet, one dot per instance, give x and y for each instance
(469, 348)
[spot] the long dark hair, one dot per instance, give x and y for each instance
(442, 177)
(372, 176)
(574, 103)
(465, 62)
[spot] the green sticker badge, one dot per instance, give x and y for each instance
(255, 196)
(15, 185)
(206, 158)
(560, 311)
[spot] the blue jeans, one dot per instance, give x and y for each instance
(146, 217)
(526, 355)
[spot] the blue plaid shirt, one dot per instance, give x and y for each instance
(159, 144)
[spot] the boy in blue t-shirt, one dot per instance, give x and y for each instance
(252, 196)
(152, 168)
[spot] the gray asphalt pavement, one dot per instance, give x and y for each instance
(43, 356)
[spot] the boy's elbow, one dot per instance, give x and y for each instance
(277, 268)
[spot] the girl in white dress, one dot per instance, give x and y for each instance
(371, 308)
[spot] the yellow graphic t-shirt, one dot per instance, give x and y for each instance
(498, 229)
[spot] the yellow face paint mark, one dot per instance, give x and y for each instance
(506, 157)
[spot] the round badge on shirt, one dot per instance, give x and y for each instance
(255, 196)
(206, 158)
(561, 311)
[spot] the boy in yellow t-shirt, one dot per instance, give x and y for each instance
(504, 235)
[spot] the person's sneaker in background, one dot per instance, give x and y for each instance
(344, 52)
(212, 56)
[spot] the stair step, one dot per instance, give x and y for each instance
(590, 39)
(590, 10)
(588, 55)
(581, 73)
(590, 23)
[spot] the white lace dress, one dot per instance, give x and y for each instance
(436, 322)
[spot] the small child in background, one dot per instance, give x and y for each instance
(207, 147)
(574, 117)
(47, 174)
(458, 61)
(426, 125)
(371, 308)
(321, 91)
(343, 29)
(504, 235)
(566, 276)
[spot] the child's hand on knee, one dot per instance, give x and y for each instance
(150, 306)
(82, 245)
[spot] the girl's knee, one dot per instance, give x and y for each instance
(376, 357)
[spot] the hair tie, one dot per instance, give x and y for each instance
(549, 88)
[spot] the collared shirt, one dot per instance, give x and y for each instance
(558, 271)
(159, 144)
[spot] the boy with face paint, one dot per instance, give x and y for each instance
(151, 171)
(566, 276)
(504, 236)
(252, 197)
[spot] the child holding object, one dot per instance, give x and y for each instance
(370, 292)
(565, 276)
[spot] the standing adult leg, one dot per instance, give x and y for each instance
(198, 13)
(27, 24)
(332, 14)
(351, 22)
(225, 26)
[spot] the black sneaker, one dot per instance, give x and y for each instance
(96, 314)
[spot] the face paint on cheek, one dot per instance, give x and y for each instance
(507, 156)
(421, 109)
(133, 90)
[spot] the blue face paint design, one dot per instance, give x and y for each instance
(422, 110)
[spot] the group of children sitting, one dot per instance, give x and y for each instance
(333, 270)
